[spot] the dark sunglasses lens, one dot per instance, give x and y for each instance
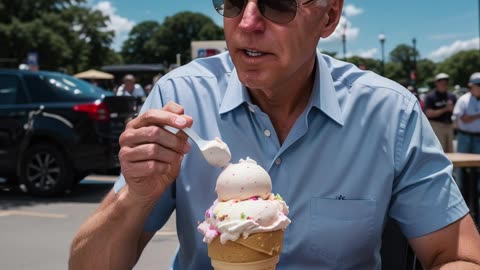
(279, 11)
(229, 8)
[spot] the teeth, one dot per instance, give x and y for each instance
(253, 53)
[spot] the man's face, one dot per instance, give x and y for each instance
(475, 90)
(129, 85)
(267, 54)
(442, 85)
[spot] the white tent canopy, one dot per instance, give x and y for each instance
(93, 74)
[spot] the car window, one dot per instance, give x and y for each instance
(61, 88)
(10, 90)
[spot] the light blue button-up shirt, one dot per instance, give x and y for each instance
(362, 151)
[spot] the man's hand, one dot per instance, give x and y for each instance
(150, 156)
(449, 106)
(470, 118)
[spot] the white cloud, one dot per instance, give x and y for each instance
(351, 10)
(344, 26)
(120, 25)
(370, 53)
(460, 45)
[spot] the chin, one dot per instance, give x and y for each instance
(254, 79)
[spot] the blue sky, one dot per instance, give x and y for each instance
(441, 27)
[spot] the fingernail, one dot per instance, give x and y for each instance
(180, 121)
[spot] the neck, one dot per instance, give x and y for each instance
(287, 101)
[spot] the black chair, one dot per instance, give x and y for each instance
(395, 252)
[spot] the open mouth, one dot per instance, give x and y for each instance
(253, 53)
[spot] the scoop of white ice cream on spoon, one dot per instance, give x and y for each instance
(216, 152)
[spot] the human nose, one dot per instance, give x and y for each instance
(252, 20)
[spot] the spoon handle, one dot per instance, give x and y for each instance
(190, 133)
(194, 136)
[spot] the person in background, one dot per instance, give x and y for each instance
(438, 108)
(130, 88)
(467, 116)
(347, 149)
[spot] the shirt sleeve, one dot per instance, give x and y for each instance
(428, 104)
(459, 109)
(425, 198)
(166, 204)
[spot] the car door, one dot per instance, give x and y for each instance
(13, 116)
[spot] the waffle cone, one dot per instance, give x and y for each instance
(257, 251)
(268, 264)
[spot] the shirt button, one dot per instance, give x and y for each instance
(250, 108)
(278, 161)
(267, 132)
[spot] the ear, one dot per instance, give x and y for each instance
(334, 15)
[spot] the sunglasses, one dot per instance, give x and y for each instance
(277, 11)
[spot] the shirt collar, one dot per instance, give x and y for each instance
(235, 95)
(324, 96)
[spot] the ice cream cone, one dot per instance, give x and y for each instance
(259, 251)
(268, 264)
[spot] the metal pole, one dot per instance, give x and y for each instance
(381, 38)
(179, 56)
(414, 80)
(383, 56)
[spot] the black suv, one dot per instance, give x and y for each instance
(56, 129)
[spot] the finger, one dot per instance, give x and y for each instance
(174, 108)
(146, 152)
(141, 169)
(161, 118)
(178, 109)
(154, 134)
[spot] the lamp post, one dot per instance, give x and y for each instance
(413, 75)
(344, 40)
(382, 39)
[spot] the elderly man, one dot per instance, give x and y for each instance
(130, 88)
(346, 149)
(467, 115)
(438, 107)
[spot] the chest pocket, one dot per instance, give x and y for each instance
(341, 229)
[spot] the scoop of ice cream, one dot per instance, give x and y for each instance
(232, 219)
(243, 180)
(217, 153)
(245, 204)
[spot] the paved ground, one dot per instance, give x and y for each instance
(36, 233)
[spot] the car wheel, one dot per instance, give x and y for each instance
(45, 170)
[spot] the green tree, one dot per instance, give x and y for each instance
(176, 33)
(65, 34)
(460, 66)
(425, 71)
(135, 49)
(404, 55)
(366, 63)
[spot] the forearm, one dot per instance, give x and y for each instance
(431, 113)
(470, 118)
(458, 265)
(109, 239)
